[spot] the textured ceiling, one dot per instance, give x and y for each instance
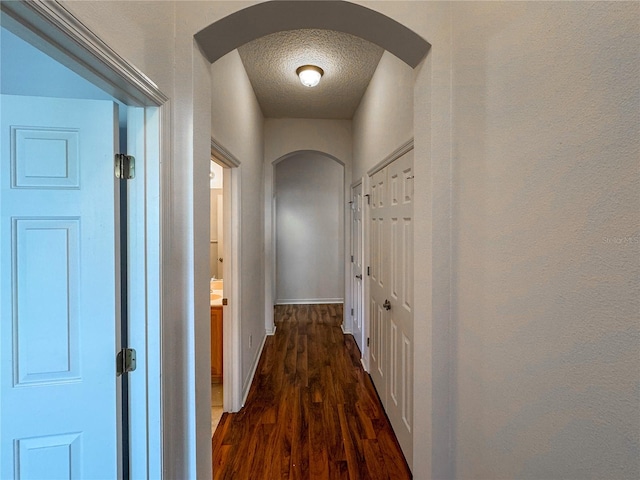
(348, 63)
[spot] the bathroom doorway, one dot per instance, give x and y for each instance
(216, 288)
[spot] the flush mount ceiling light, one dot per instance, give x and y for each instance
(309, 75)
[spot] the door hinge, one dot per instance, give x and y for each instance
(125, 166)
(367, 341)
(351, 258)
(368, 198)
(352, 312)
(125, 361)
(368, 271)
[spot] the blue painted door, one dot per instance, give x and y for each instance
(58, 286)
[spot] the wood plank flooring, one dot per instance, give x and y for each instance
(312, 412)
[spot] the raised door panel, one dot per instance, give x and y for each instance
(58, 289)
(378, 237)
(400, 291)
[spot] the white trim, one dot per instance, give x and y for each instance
(76, 46)
(392, 157)
(232, 358)
(247, 385)
(227, 158)
(309, 301)
(366, 314)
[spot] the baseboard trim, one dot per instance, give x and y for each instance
(310, 301)
(247, 385)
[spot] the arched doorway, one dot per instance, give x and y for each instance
(265, 18)
(262, 19)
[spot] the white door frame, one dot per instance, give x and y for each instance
(231, 355)
(366, 314)
(58, 33)
(353, 291)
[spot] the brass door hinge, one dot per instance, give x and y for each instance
(125, 361)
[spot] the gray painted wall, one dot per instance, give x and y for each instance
(546, 239)
(237, 124)
(309, 229)
(384, 118)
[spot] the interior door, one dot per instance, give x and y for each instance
(378, 284)
(399, 292)
(356, 264)
(391, 295)
(58, 285)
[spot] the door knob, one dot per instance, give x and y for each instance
(359, 277)
(387, 305)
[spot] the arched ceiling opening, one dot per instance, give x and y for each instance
(266, 18)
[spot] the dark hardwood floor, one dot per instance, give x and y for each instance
(312, 411)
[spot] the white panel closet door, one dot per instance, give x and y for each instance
(391, 287)
(58, 284)
(399, 214)
(378, 332)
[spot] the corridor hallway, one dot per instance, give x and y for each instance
(312, 411)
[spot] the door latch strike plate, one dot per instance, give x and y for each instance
(125, 361)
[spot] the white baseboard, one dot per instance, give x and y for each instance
(247, 384)
(309, 301)
(364, 365)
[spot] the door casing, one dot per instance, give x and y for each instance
(63, 37)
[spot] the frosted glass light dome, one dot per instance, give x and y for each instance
(309, 75)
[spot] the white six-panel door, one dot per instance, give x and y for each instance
(391, 287)
(58, 287)
(378, 362)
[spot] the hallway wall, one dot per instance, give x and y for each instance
(309, 211)
(286, 135)
(237, 124)
(384, 118)
(545, 239)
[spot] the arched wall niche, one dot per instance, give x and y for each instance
(262, 19)
(309, 228)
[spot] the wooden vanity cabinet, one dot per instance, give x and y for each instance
(216, 344)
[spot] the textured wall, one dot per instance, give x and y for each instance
(546, 240)
(237, 124)
(384, 119)
(283, 136)
(144, 34)
(309, 197)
